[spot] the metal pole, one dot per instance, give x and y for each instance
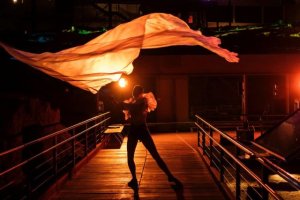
(73, 149)
(265, 179)
(198, 137)
(210, 146)
(55, 157)
(203, 142)
(95, 134)
(86, 140)
(237, 176)
(244, 98)
(222, 166)
(237, 182)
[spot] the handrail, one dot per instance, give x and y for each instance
(227, 137)
(244, 167)
(278, 170)
(60, 155)
(52, 134)
(265, 163)
(49, 149)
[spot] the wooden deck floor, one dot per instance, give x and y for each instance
(106, 175)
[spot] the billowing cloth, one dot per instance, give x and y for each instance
(105, 58)
(150, 100)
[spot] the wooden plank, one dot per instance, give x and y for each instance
(106, 175)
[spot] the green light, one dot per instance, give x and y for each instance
(73, 29)
(84, 32)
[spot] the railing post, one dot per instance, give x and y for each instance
(203, 142)
(55, 157)
(86, 141)
(198, 137)
(95, 135)
(210, 146)
(222, 166)
(237, 182)
(73, 153)
(237, 152)
(73, 149)
(265, 179)
(237, 175)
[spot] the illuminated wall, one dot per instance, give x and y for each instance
(173, 72)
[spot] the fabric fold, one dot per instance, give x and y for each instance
(105, 58)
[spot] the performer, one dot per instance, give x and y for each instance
(136, 110)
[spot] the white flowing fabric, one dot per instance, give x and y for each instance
(151, 103)
(108, 56)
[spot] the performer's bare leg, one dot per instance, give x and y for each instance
(131, 146)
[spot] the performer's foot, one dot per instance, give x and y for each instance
(133, 183)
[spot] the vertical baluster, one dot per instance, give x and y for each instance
(95, 133)
(222, 166)
(203, 140)
(237, 175)
(73, 153)
(73, 148)
(210, 146)
(198, 137)
(265, 179)
(86, 140)
(237, 181)
(55, 157)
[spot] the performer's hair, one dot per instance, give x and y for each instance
(137, 90)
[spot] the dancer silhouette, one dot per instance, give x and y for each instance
(138, 108)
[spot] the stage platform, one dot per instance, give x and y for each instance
(105, 176)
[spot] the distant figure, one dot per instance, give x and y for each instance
(136, 110)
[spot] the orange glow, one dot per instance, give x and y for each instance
(296, 83)
(110, 55)
(122, 82)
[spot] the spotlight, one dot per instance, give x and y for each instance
(15, 1)
(122, 82)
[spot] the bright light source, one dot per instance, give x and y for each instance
(15, 1)
(122, 82)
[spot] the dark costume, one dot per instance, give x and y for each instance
(138, 110)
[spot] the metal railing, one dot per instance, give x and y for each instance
(242, 173)
(28, 169)
(260, 122)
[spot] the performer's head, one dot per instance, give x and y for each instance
(137, 91)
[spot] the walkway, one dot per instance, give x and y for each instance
(106, 175)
